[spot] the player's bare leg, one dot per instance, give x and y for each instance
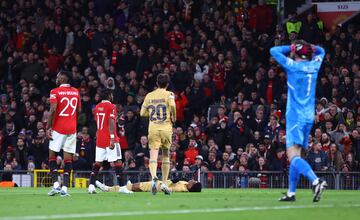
(93, 176)
(165, 168)
(153, 168)
(54, 173)
(67, 173)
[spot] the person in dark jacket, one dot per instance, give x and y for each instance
(310, 31)
(317, 158)
(131, 128)
(239, 135)
(100, 39)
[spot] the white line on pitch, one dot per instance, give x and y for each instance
(164, 212)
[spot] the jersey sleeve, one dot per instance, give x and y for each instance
(53, 96)
(278, 53)
(319, 54)
(144, 108)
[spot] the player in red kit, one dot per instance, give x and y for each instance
(107, 140)
(61, 129)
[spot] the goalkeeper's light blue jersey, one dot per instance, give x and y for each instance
(301, 81)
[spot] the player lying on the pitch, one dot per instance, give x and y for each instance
(173, 185)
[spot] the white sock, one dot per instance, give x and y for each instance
(290, 193)
(64, 188)
(315, 182)
(56, 185)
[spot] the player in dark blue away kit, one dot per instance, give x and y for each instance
(302, 71)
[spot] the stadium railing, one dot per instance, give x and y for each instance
(210, 179)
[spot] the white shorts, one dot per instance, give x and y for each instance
(108, 154)
(67, 142)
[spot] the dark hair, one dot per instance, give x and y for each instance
(196, 187)
(67, 74)
(162, 80)
(105, 94)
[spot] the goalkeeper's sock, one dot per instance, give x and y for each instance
(53, 170)
(153, 168)
(304, 168)
(119, 173)
(67, 172)
(94, 173)
(294, 177)
(165, 168)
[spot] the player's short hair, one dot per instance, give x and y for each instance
(163, 80)
(105, 94)
(67, 74)
(196, 187)
(303, 49)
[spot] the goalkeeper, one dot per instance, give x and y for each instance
(175, 185)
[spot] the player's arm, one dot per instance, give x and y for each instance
(112, 128)
(144, 112)
(319, 52)
(279, 52)
(50, 122)
(172, 106)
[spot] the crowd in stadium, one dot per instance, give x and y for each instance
(230, 94)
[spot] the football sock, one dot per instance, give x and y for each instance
(94, 172)
(53, 169)
(304, 168)
(165, 168)
(294, 177)
(119, 173)
(129, 186)
(67, 172)
(153, 168)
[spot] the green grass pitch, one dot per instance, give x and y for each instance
(222, 204)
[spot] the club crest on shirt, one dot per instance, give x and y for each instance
(101, 109)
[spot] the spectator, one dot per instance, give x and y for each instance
(309, 30)
(261, 17)
(317, 158)
(339, 135)
(141, 151)
(239, 135)
(336, 160)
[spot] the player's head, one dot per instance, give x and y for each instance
(107, 95)
(303, 50)
(163, 80)
(63, 77)
(194, 186)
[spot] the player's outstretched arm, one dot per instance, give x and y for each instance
(279, 52)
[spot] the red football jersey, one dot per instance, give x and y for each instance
(102, 113)
(67, 99)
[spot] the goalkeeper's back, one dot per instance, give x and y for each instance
(301, 80)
